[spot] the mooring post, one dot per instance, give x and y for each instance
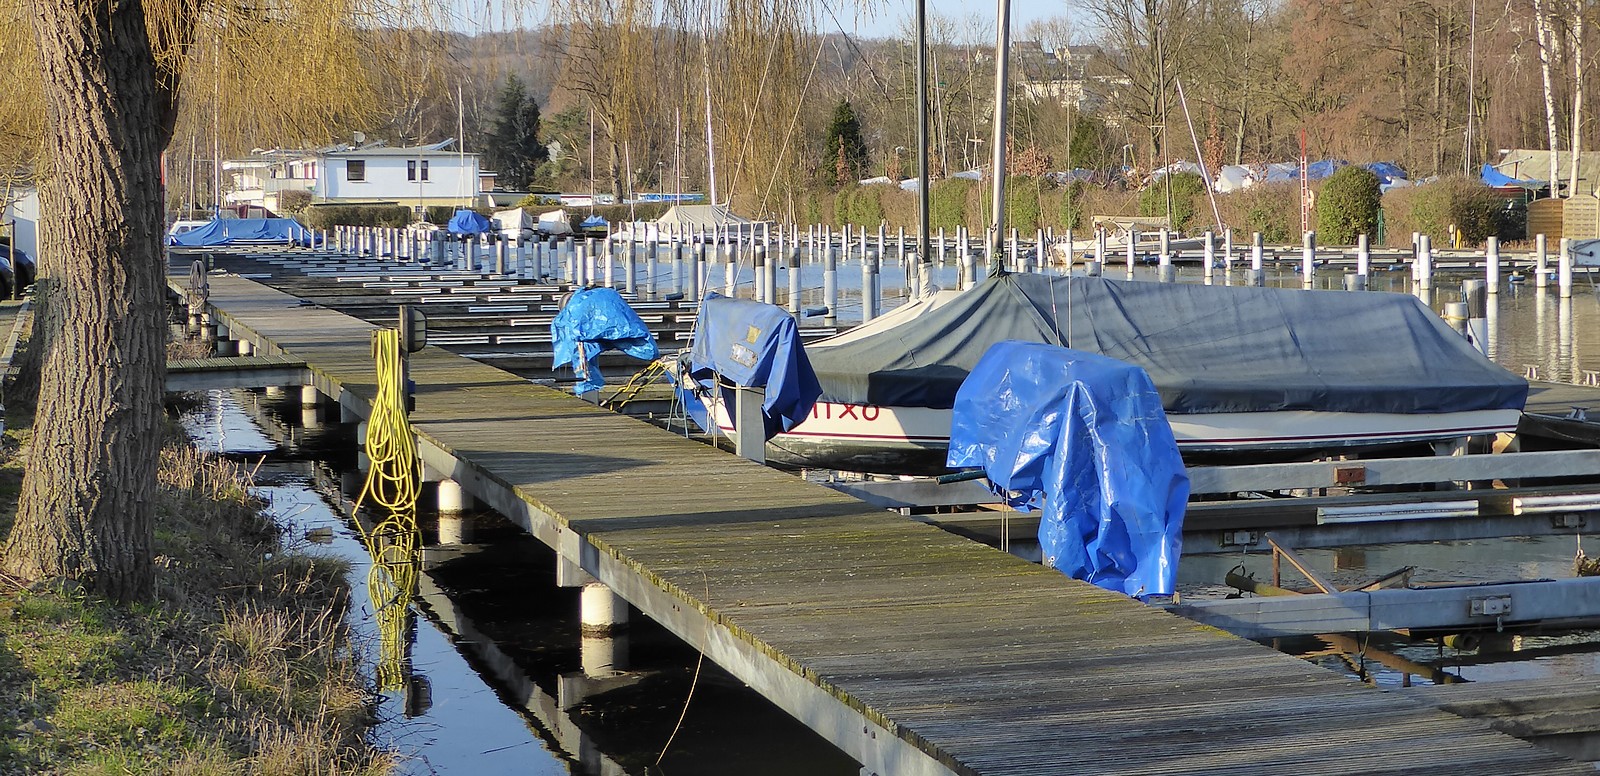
(310, 396)
(697, 278)
(1308, 260)
(1564, 269)
(1208, 255)
(1165, 272)
(1476, 297)
(868, 278)
(502, 256)
(830, 283)
(1227, 255)
(225, 347)
(677, 267)
(1363, 262)
(1133, 250)
(1491, 264)
(940, 245)
(1258, 250)
(1541, 261)
(759, 259)
(1100, 245)
(1424, 271)
(1066, 253)
(793, 264)
(452, 498)
(604, 642)
(470, 255)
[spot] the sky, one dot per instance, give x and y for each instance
(895, 15)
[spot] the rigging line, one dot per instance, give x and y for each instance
(783, 150)
(750, 118)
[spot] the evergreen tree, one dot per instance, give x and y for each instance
(845, 146)
(514, 149)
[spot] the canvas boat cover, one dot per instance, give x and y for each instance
(1496, 179)
(595, 320)
(1083, 439)
(226, 231)
(468, 222)
(753, 344)
(701, 216)
(1207, 348)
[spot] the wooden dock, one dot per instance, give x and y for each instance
(914, 650)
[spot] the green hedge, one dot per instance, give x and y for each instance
(1474, 208)
(947, 203)
(1348, 206)
(327, 216)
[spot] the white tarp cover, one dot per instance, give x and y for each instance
(702, 216)
(555, 222)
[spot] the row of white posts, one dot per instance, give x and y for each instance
(691, 254)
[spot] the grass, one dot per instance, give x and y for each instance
(242, 664)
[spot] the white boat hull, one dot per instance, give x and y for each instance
(913, 440)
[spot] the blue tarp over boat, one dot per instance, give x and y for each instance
(592, 321)
(1083, 439)
(226, 231)
(1497, 179)
(469, 222)
(753, 344)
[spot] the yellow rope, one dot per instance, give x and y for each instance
(392, 485)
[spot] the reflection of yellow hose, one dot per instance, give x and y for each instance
(392, 484)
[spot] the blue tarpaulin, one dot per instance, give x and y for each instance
(1387, 173)
(469, 222)
(226, 231)
(1084, 439)
(595, 320)
(1496, 179)
(1321, 169)
(752, 344)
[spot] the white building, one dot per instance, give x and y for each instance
(416, 176)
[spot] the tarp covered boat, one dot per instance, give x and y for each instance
(1241, 371)
(232, 231)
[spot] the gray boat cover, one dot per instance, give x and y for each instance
(1207, 348)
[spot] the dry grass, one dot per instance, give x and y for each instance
(243, 664)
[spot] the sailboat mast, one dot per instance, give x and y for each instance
(922, 135)
(1002, 62)
(705, 61)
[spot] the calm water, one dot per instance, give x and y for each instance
(489, 634)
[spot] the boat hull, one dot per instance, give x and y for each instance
(914, 440)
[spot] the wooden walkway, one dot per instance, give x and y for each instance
(914, 650)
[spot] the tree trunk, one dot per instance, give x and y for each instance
(1577, 96)
(1541, 23)
(91, 470)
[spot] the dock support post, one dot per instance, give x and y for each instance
(1258, 276)
(1165, 272)
(1564, 269)
(310, 396)
(224, 347)
(1475, 295)
(749, 427)
(452, 499)
(501, 255)
(677, 266)
(869, 282)
(604, 646)
(697, 278)
(1209, 255)
(246, 348)
(1308, 261)
(759, 258)
(1100, 247)
(1091, 269)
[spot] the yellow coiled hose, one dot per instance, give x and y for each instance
(392, 486)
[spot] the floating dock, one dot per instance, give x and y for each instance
(914, 650)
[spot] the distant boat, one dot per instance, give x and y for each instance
(1245, 374)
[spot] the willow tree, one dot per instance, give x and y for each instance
(109, 81)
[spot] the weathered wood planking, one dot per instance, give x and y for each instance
(981, 661)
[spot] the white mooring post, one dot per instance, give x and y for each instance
(1133, 250)
(868, 278)
(1363, 262)
(1491, 264)
(793, 263)
(1424, 262)
(1564, 269)
(603, 651)
(1308, 261)
(1165, 272)
(1541, 261)
(1258, 250)
(830, 283)
(1100, 246)
(1208, 255)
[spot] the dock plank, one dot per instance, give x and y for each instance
(977, 660)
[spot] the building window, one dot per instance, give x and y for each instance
(355, 170)
(411, 169)
(424, 169)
